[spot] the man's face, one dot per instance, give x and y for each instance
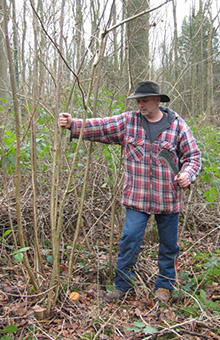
(148, 106)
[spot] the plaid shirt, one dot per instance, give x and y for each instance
(149, 185)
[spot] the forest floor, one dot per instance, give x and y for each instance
(193, 312)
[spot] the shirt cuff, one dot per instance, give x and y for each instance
(71, 131)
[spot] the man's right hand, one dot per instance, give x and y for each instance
(65, 120)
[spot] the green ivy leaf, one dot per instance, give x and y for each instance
(139, 324)
(7, 232)
(150, 330)
(6, 337)
(69, 247)
(50, 259)
(109, 287)
(203, 294)
(10, 329)
(215, 183)
(20, 251)
(19, 257)
(136, 330)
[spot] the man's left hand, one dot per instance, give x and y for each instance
(183, 179)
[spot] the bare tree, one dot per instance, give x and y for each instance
(79, 32)
(3, 59)
(38, 257)
(18, 150)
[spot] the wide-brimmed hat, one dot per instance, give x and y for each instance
(148, 89)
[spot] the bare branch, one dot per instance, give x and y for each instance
(134, 17)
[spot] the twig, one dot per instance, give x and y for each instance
(169, 329)
(212, 231)
(60, 53)
(28, 296)
(111, 316)
(47, 335)
(186, 213)
(155, 307)
(146, 11)
(194, 334)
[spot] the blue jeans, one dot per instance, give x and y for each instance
(131, 241)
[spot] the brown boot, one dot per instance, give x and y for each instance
(116, 295)
(162, 295)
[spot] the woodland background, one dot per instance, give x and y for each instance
(60, 212)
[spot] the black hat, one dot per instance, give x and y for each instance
(148, 89)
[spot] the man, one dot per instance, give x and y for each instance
(149, 186)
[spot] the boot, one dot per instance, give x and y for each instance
(162, 294)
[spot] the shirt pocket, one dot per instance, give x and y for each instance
(168, 146)
(134, 149)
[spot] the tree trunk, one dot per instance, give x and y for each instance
(175, 44)
(3, 58)
(209, 94)
(18, 150)
(201, 66)
(38, 257)
(24, 33)
(56, 225)
(79, 33)
(137, 34)
(15, 47)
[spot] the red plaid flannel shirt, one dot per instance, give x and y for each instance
(149, 185)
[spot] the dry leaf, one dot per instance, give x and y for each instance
(214, 336)
(90, 294)
(74, 296)
(138, 312)
(3, 298)
(63, 267)
(170, 315)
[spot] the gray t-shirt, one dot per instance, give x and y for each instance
(154, 128)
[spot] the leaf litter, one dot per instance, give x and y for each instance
(82, 313)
